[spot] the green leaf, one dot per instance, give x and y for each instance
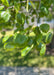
(32, 4)
(25, 51)
(5, 39)
(44, 10)
(30, 41)
(17, 6)
(5, 2)
(39, 38)
(1, 7)
(5, 15)
(20, 39)
(49, 37)
(20, 18)
(36, 30)
(44, 28)
(1, 44)
(44, 39)
(43, 49)
(3, 32)
(19, 27)
(38, 46)
(9, 46)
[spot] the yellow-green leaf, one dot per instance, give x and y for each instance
(43, 49)
(5, 2)
(9, 46)
(32, 4)
(1, 7)
(27, 5)
(25, 51)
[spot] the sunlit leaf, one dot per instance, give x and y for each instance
(1, 7)
(5, 38)
(32, 4)
(43, 49)
(9, 46)
(25, 51)
(5, 15)
(5, 2)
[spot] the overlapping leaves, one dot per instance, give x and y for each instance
(4, 16)
(11, 15)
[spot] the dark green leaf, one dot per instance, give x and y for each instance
(3, 32)
(44, 28)
(9, 46)
(49, 37)
(20, 39)
(36, 30)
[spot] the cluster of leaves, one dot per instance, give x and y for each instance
(12, 14)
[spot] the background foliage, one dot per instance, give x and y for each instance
(12, 15)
